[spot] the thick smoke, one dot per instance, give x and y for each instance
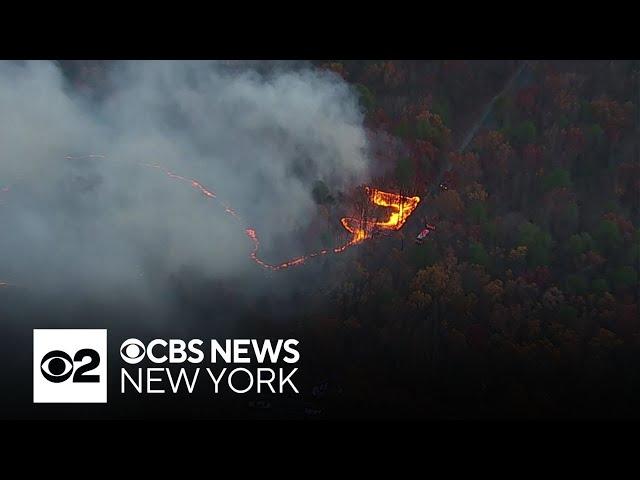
(99, 227)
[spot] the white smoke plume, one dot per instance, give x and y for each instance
(259, 136)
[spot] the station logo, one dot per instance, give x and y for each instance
(69, 366)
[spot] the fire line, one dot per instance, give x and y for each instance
(360, 229)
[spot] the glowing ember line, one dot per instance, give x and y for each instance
(250, 232)
(360, 230)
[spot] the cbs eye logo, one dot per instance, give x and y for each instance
(132, 350)
(69, 366)
(56, 366)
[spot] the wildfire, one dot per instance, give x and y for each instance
(401, 207)
(360, 229)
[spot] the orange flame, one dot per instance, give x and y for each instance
(361, 230)
(401, 208)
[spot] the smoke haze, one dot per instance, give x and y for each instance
(258, 136)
